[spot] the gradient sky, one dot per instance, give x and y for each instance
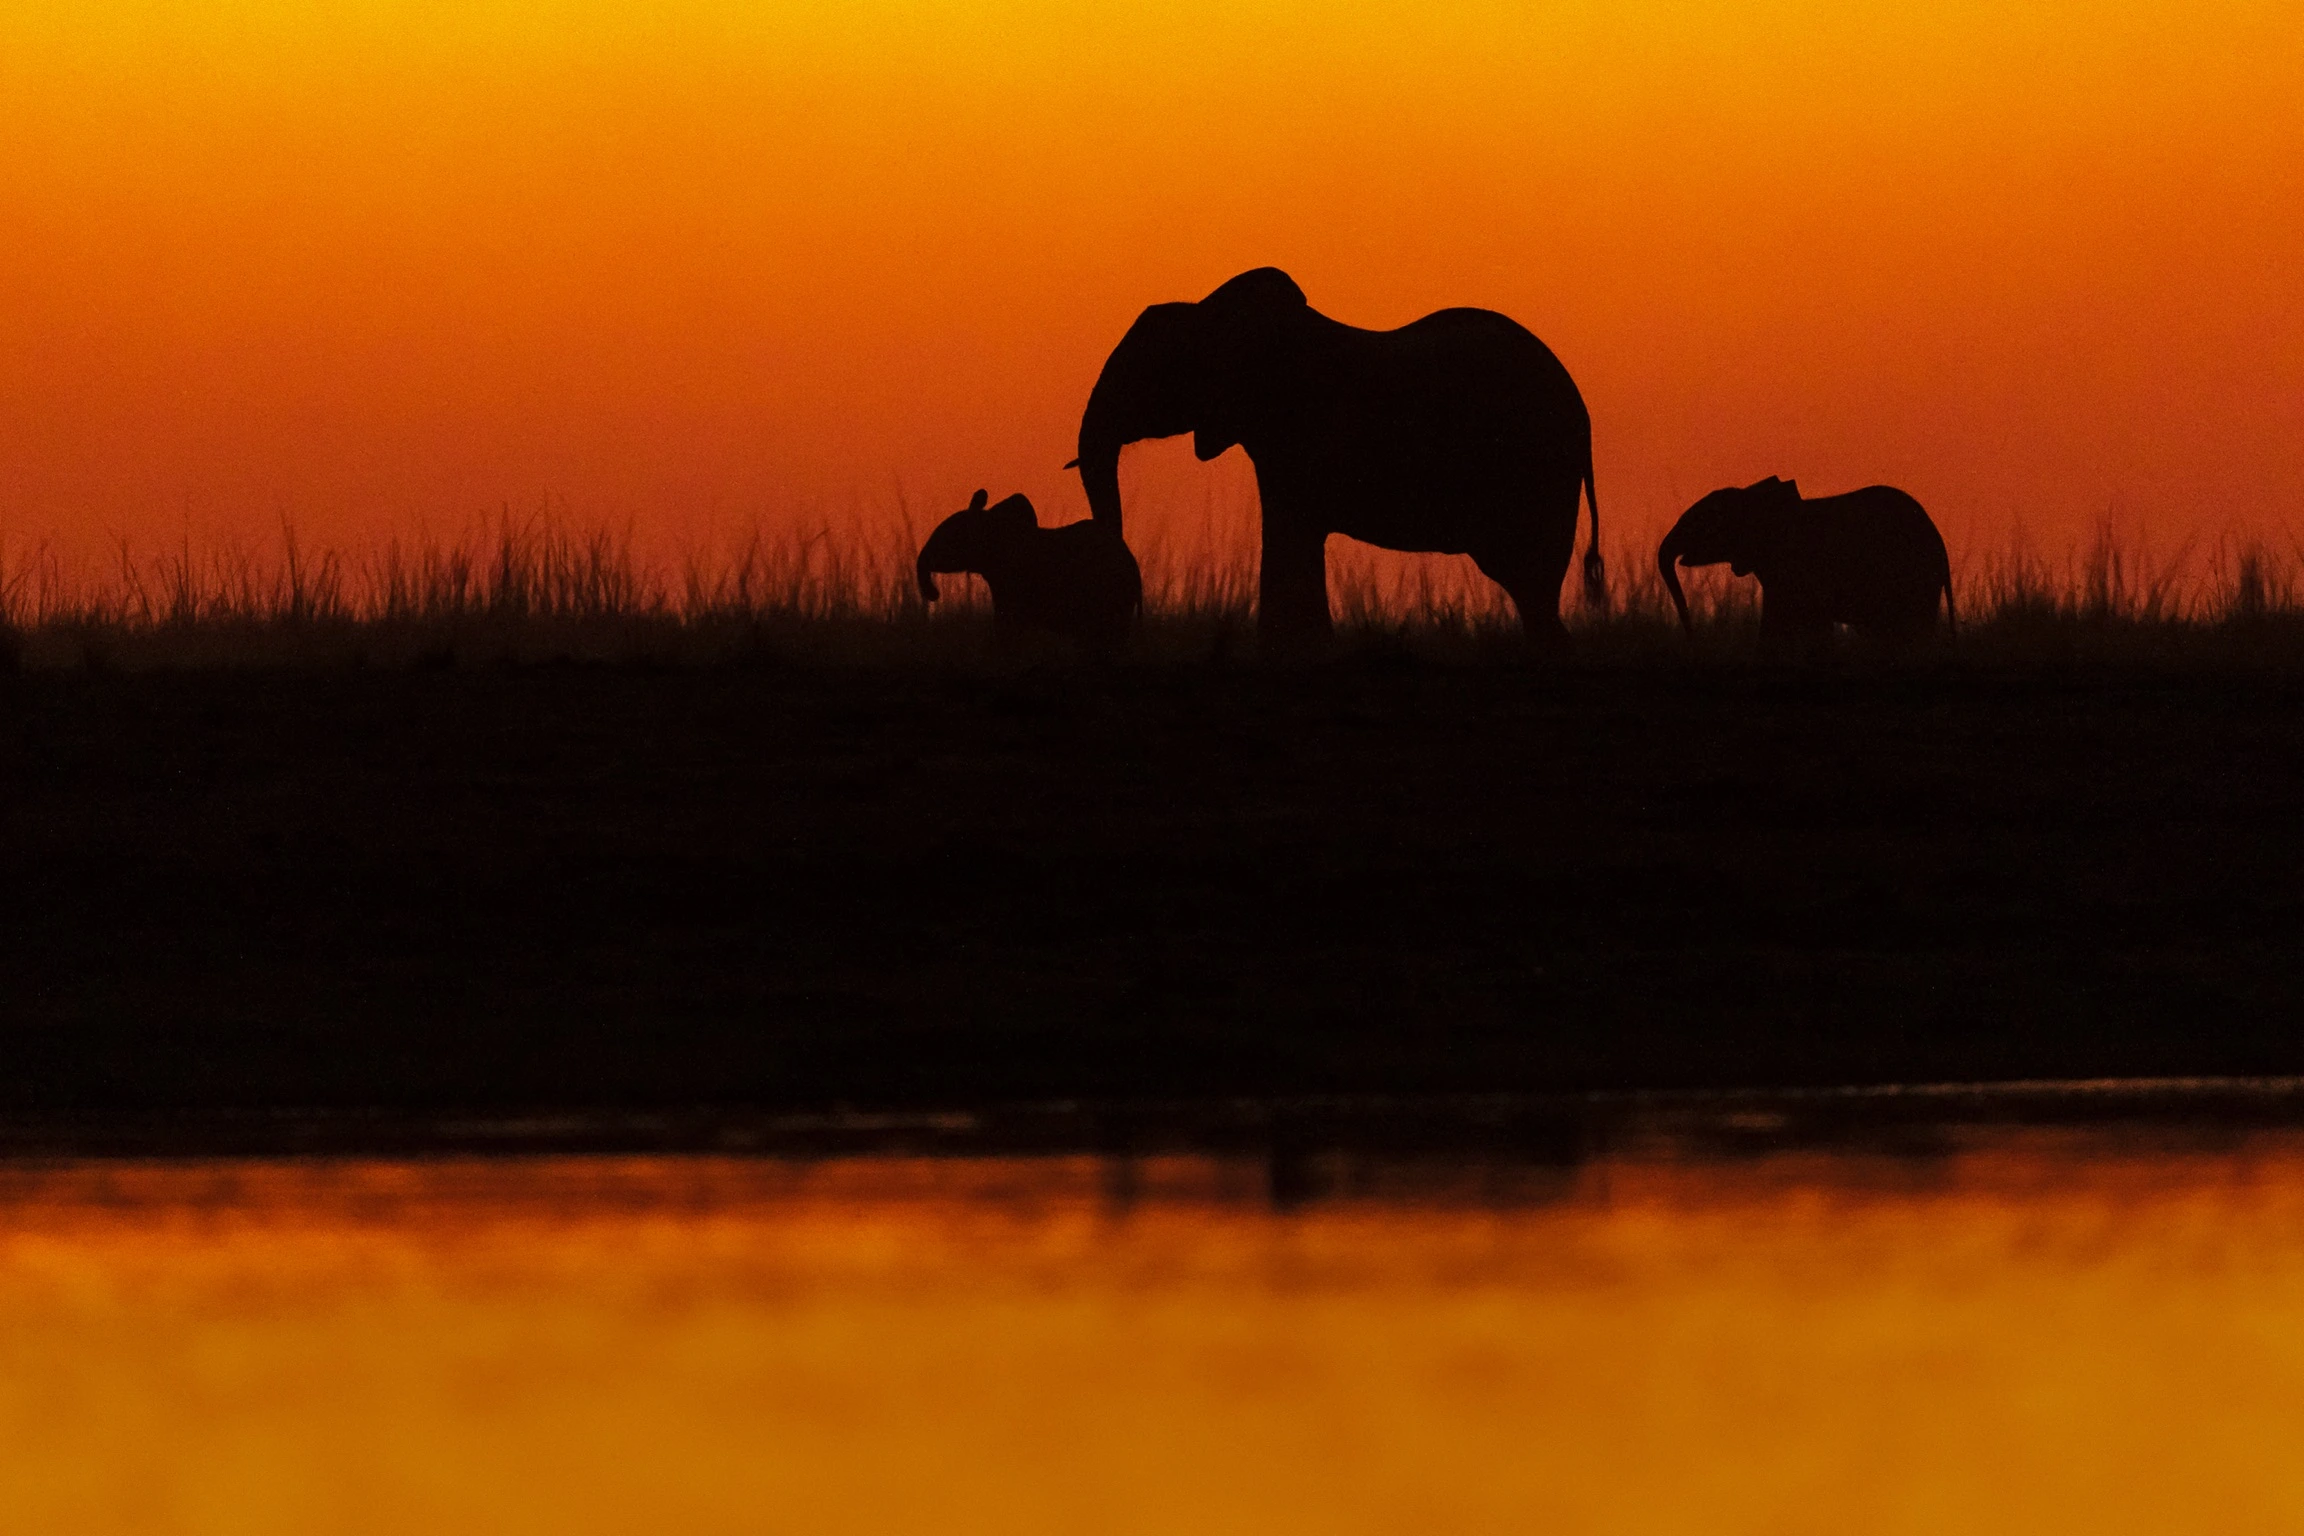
(369, 262)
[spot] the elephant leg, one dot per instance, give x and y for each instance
(1008, 635)
(1528, 561)
(1913, 616)
(1791, 628)
(1292, 589)
(1537, 600)
(1896, 630)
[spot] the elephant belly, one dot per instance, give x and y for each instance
(1439, 531)
(1432, 451)
(1900, 606)
(1884, 589)
(1424, 502)
(1454, 517)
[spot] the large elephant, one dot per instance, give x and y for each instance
(1869, 559)
(1459, 433)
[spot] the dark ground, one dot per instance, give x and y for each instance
(604, 887)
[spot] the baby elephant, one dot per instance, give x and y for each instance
(1870, 559)
(1079, 580)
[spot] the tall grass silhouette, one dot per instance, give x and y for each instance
(540, 588)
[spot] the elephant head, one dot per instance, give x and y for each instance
(1737, 526)
(970, 539)
(1202, 368)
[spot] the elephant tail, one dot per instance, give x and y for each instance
(1595, 569)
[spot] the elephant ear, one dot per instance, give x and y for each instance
(1228, 342)
(1245, 319)
(1230, 387)
(976, 502)
(1011, 519)
(1263, 288)
(1761, 521)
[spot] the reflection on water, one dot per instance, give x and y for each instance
(2028, 1332)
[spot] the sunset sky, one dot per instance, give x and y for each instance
(372, 263)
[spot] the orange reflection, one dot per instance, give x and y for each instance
(2034, 1336)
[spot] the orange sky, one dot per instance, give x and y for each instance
(366, 262)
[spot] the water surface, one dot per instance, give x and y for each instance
(2024, 1329)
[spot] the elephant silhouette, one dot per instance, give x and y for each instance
(1869, 559)
(1459, 433)
(1078, 581)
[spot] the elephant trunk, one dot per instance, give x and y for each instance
(1100, 478)
(928, 592)
(1667, 562)
(1099, 460)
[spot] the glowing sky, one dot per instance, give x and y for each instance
(366, 261)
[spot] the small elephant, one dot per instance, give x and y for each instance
(1079, 581)
(1870, 559)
